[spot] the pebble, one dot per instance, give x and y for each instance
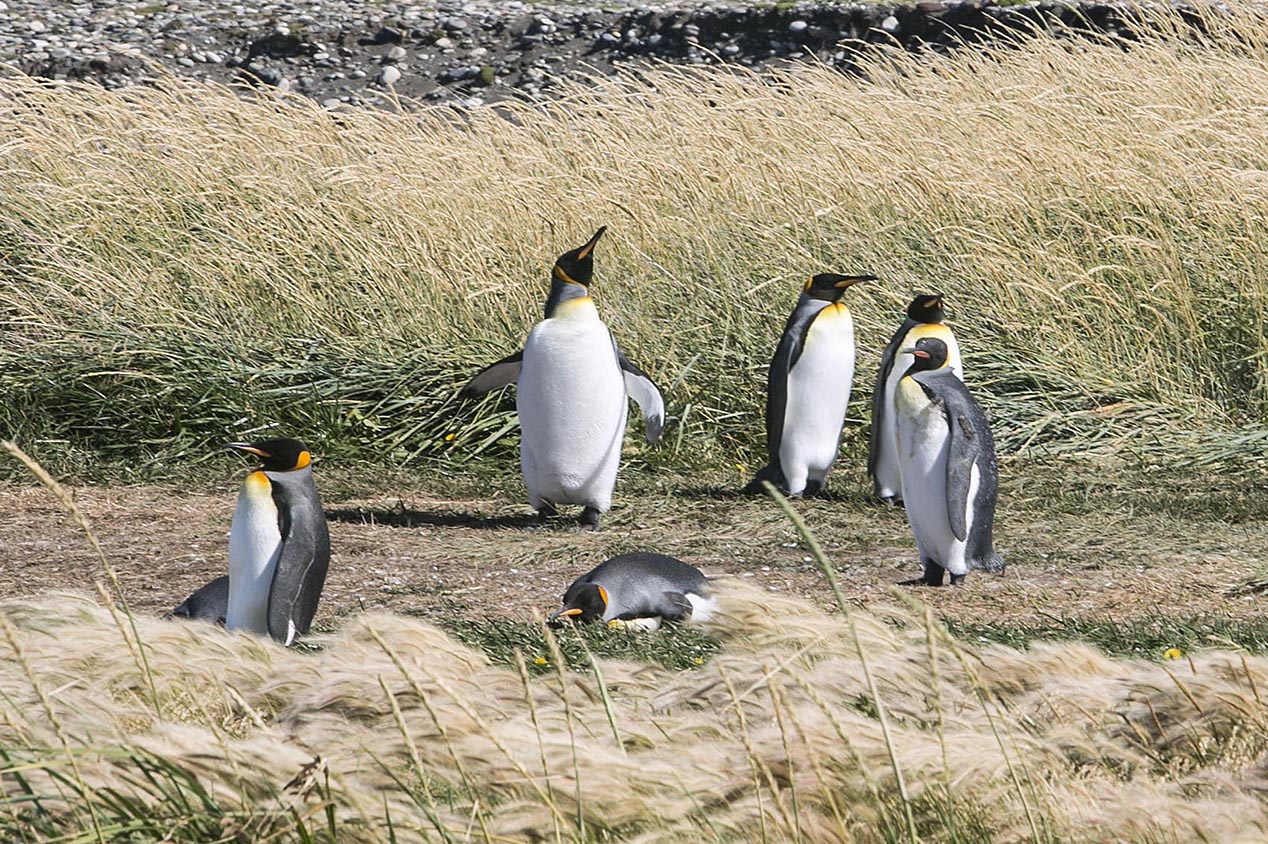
(505, 45)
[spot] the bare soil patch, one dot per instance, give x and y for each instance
(485, 557)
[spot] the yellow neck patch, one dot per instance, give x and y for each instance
(257, 482)
(564, 277)
(603, 593)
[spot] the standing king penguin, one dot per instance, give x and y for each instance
(946, 456)
(808, 388)
(924, 319)
(640, 587)
(573, 385)
(279, 546)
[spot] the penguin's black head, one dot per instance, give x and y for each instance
(282, 455)
(577, 265)
(927, 308)
(830, 286)
(928, 353)
(583, 601)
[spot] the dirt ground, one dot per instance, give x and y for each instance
(1075, 547)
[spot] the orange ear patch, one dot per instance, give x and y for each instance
(603, 593)
(303, 460)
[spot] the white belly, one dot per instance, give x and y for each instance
(923, 443)
(888, 476)
(572, 406)
(818, 393)
(254, 545)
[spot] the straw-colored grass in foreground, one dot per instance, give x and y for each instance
(183, 263)
(392, 731)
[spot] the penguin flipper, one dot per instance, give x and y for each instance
(878, 395)
(674, 606)
(640, 387)
(301, 569)
(495, 375)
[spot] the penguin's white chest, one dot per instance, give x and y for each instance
(818, 393)
(924, 441)
(571, 402)
(255, 541)
(888, 472)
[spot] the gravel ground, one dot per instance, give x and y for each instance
(471, 52)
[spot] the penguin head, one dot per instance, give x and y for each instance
(927, 308)
(584, 601)
(829, 286)
(281, 455)
(576, 266)
(929, 353)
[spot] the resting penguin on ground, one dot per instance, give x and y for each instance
(208, 603)
(808, 388)
(924, 319)
(572, 388)
(639, 587)
(946, 456)
(279, 548)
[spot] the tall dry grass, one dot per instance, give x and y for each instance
(183, 263)
(394, 732)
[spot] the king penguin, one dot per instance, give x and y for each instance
(925, 317)
(207, 603)
(279, 545)
(639, 587)
(573, 385)
(946, 457)
(808, 388)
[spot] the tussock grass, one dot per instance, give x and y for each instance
(182, 264)
(794, 731)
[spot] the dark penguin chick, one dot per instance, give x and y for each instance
(925, 315)
(946, 457)
(279, 545)
(638, 586)
(808, 388)
(573, 385)
(208, 603)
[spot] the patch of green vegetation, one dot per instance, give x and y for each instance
(675, 647)
(1147, 637)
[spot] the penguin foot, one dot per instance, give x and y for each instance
(546, 511)
(957, 579)
(813, 489)
(590, 518)
(892, 500)
(932, 576)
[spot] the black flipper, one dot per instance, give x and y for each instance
(302, 563)
(674, 606)
(640, 387)
(878, 393)
(495, 375)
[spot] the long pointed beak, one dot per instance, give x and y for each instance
(566, 612)
(914, 352)
(248, 448)
(585, 250)
(851, 280)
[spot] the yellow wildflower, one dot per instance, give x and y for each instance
(541, 660)
(1172, 653)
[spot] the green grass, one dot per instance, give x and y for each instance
(1147, 637)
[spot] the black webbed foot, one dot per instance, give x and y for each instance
(590, 518)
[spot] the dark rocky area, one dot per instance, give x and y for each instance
(478, 52)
